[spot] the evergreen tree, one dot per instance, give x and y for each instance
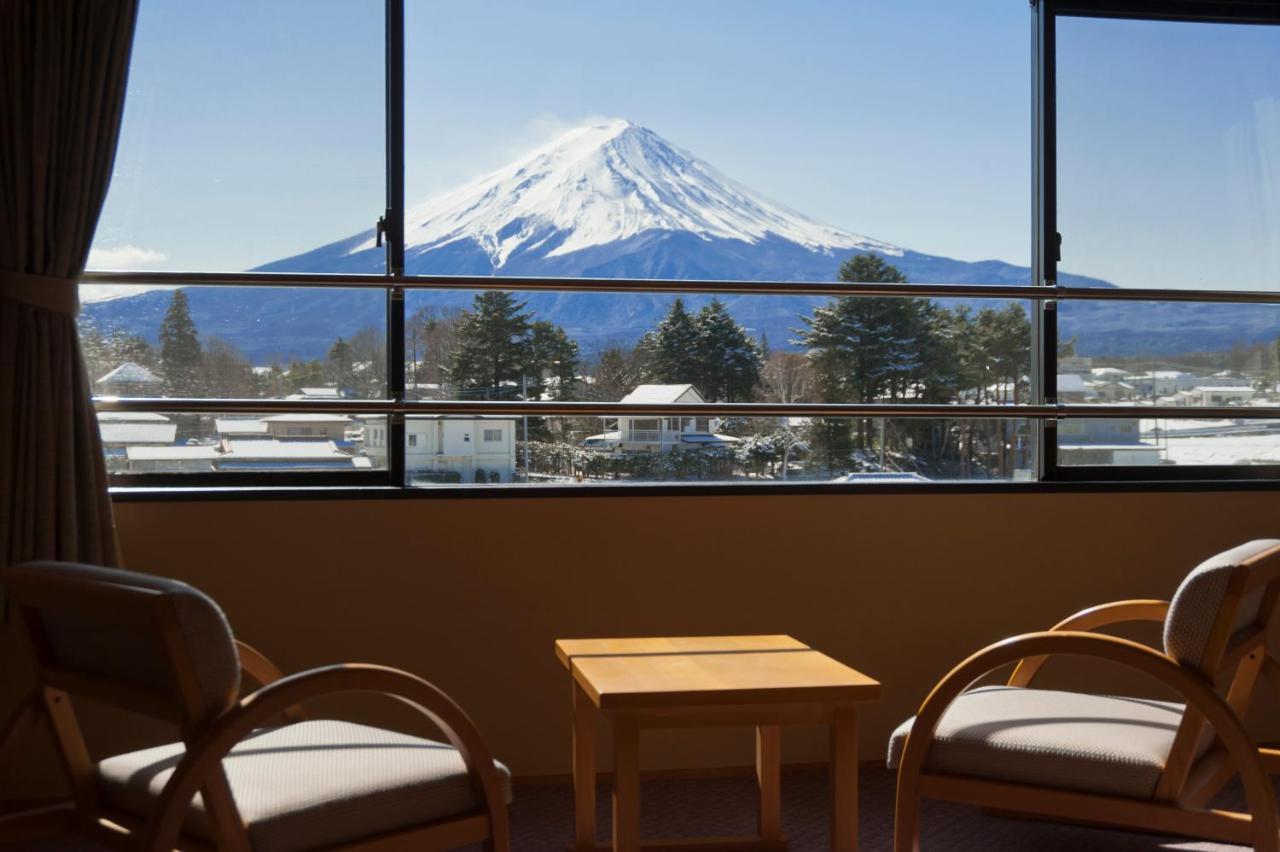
(180, 348)
(550, 354)
(671, 348)
(339, 360)
(727, 358)
(492, 347)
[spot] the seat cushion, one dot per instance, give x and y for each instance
(311, 784)
(1067, 740)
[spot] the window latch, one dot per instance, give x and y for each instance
(379, 230)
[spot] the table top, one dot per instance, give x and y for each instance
(696, 671)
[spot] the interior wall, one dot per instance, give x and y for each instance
(471, 593)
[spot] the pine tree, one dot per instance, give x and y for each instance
(671, 348)
(339, 359)
(180, 348)
(491, 351)
(550, 354)
(727, 358)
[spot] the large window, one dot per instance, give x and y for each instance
(615, 251)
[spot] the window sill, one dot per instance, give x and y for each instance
(152, 494)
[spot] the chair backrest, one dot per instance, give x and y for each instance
(1217, 624)
(1220, 602)
(151, 644)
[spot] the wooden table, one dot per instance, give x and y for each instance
(685, 682)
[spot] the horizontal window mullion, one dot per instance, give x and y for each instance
(719, 409)
(648, 285)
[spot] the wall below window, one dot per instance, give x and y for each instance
(471, 593)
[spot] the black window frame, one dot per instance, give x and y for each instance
(1043, 293)
(1048, 239)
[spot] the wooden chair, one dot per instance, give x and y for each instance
(1104, 760)
(251, 773)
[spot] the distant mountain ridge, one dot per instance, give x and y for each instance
(612, 200)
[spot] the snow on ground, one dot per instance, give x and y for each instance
(1224, 449)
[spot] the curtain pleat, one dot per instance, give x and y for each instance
(63, 69)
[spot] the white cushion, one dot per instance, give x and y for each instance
(1067, 740)
(311, 784)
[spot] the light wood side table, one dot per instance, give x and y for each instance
(698, 681)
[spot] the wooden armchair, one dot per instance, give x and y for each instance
(1105, 760)
(251, 773)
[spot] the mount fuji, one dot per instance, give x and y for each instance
(611, 200)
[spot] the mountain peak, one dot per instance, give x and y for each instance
(605, 182)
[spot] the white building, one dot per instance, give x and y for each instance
(1088, 441)
(171, 459)
(450, 449)
(660, 434)
(1222, 395)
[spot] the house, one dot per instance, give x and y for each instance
(1222, 395)
(120, 430)
(1108, 441)
(1073, 388)
(171, 459)
(449, 449)
(1112, 390)
(641, 433)
(129, 379)
(241, 427)
(249, 454)
(329, 427)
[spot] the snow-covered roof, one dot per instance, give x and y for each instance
(171, 453)
(1224, 388)
(662, 394)
(1071, 383)
(240, 426)
(320, 393)
(882, 476)
(284, 450)
(306, 418)
(131, 417)
(1107, 371)
(132, 373)
(1169, 374)
(138, 433)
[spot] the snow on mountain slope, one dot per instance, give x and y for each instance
(603, 184)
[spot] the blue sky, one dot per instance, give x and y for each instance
(253, 130)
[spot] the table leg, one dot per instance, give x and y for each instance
(626, 785)
(584, 770)
(769, 780)
(844, 780)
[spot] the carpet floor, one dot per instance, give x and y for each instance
(542, 818)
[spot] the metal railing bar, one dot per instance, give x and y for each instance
(720, 410)
(648, 285)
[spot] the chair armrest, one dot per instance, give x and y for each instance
(1103, 615)
(206, 753)
(256, 665)
(1194, 688)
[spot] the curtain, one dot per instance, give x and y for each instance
(63, 66)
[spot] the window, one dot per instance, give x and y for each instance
(771, 289)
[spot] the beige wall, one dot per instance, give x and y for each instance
(471, 593)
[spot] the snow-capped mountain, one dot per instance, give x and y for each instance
(616, 200)
(605, 184)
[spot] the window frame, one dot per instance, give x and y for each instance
(1047, 238)
(1044, 410)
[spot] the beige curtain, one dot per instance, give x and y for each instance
(63, 65)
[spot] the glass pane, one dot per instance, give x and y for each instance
(651, 140)
(160, 442)
(698, 348)
(633, 450)
(238, 342)
(1185, 355)
(1168, 152)
(252, 135)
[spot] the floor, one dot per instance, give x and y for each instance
(542, 813)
